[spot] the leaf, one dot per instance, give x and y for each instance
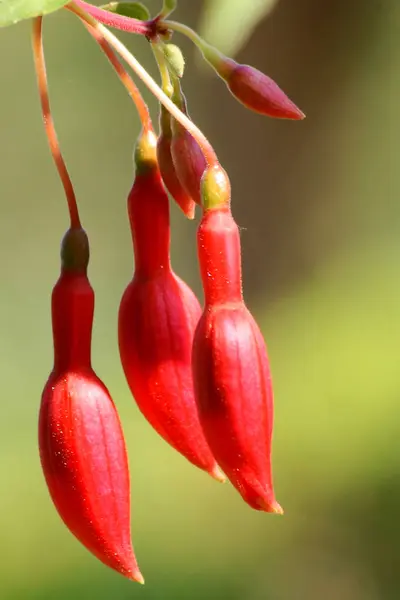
(13, 11)
(134, 10)
(228, 24)
(168, 7)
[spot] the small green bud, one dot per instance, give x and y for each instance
(175, 59)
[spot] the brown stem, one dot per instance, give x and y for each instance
(40, 65)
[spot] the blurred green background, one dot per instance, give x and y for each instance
(317, 202)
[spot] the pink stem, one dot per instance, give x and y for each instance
(118, 21)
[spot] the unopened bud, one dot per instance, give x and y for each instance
(186, 153)
(167, 167)
(251, 87)
(175, 59)
(260, 93)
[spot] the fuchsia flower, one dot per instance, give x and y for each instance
(157, 319)
(230, 364)
(82, 447)
(200, 377)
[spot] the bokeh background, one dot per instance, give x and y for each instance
(317, 202)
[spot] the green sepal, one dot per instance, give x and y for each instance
(168, 7)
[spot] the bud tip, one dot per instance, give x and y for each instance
(217, 474)
(270, 507)
(134, 574)
(277, 509)
(138, 577)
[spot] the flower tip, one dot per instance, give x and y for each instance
(130, 569)
(135, 575)
(295, 114)
(138, 577)
(270, 507)
(217, 474)
(189, 211)
(276, 509)
(302, 116)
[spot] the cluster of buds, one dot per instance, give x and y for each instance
(200, 376)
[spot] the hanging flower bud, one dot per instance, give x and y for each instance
(186, 154)
(260, 93)
(230, 365)
(251, 87)
(81, 442)
(157, 319)
(167, 168)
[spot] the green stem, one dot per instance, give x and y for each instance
(163, 68)
(221, 63)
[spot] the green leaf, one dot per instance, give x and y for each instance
(134, 10)
(13, 11)
(168, 7)
(228, 24)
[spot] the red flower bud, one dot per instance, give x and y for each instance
(230, 365)
(260, 93)
(81, 442)
(157, 319)
(167, 168)
(186, 154)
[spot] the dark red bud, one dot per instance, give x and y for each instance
(167, 168)
(260, 93)
(187, 156)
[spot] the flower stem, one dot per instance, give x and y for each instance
(126, 80)
(40, 65)
(221, 63)
(119, 47)
(114, 20)
(162, 67)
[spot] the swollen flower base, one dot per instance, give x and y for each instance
(200, 377)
